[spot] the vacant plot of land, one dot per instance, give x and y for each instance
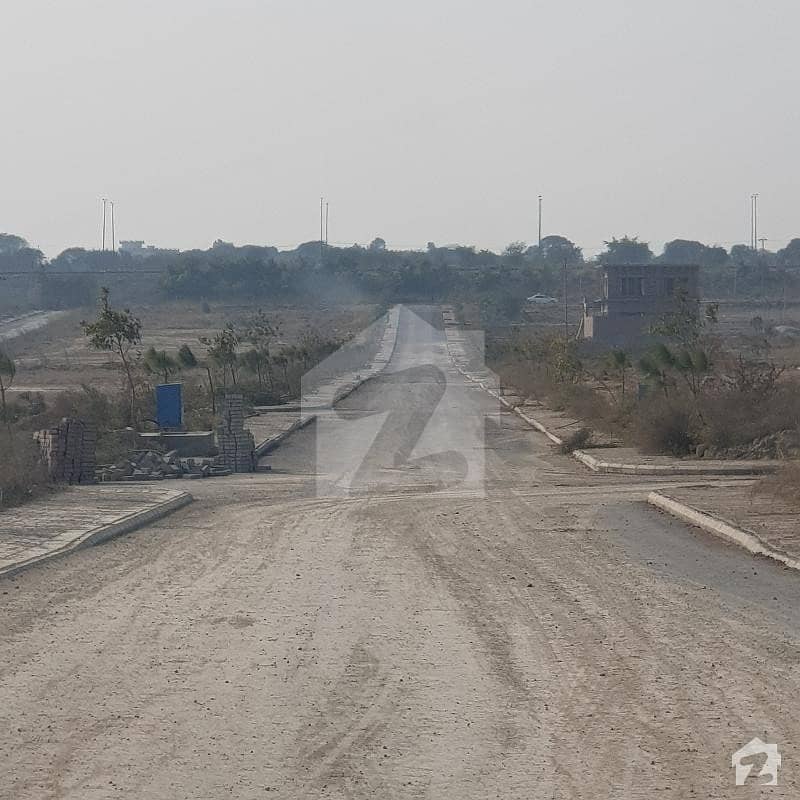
(56, 356)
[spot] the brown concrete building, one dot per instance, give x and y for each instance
(634, 297)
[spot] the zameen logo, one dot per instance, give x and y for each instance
(744, 761)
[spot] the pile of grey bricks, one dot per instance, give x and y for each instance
(69, 451)
(236, 445)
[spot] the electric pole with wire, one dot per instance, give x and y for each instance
(540, 224)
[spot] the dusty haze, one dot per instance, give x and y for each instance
(418, 120)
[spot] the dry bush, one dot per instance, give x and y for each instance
(737, 418)
(575, 441)
(107, 412)
(784, 484)
(22, 473)
(666, 426)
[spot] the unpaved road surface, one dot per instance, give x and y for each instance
(401, 611)
(11, 327)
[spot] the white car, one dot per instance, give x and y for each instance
(541, 299)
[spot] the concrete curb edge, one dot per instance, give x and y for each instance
(612, 467)
(102, 533)
(275, 441)
(719, 527)
(615, 468)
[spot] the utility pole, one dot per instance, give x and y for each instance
(540, 224)
(327, 206)
(113, 230)
(566, 308)
(754, 221)
(763, 270)
(321, 229)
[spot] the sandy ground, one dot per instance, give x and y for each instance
(52, 353)
(402, 611)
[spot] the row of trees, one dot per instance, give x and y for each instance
(275, 371)
(314, 271)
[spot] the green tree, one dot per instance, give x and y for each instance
(556, 250)
(789, 256)
(687, 353)
(620, 362)
(11, 243)
(514, 253)
(259, 332)
(161, 363)
(687, 251)
(256, 361)
(116, 331)
(222, 352)
(8, 369)
(186, 358)
(627, 250)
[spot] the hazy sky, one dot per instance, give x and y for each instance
(439, 120)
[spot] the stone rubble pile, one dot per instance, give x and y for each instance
(237, 447)
(149, 465)
(69, 451)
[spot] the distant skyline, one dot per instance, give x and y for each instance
(420, 121)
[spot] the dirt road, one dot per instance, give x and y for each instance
(12, 327)
(402, 611)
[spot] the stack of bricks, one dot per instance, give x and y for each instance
(69, 451)
(236, 445)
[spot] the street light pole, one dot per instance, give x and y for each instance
(540, 223)
(104, 224)
(113, 229)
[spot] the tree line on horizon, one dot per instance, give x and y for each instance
(313, 270)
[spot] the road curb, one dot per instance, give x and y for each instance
(720, 527)
(534, 423)
(268, 445)
(616, 468)
(102, 533)
(275, 441)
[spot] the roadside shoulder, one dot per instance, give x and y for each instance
(737, 517)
